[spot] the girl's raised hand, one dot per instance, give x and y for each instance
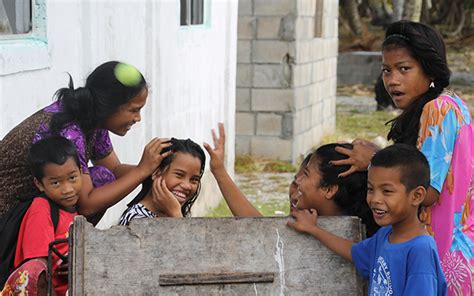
(152, 155)
(164, 200)
(359, 156)
(304, 220)
(217, 154)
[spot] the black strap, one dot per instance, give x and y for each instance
(10, 227)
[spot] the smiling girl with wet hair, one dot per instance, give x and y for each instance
(173, 187)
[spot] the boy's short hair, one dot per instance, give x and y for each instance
(413, 165)
(55, 150)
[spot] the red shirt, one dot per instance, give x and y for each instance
(37, 231)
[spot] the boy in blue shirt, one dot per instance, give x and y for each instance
(401, 258)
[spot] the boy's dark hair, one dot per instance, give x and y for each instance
(425, 45)
(413, 165)
(92, 104)
(351, 196)
(177, 145)
(55, 150)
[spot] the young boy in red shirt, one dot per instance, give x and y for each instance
(56, 170)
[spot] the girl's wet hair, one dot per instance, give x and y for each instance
(427, 47)
(92, 104)
(183, 146)
(351, 196)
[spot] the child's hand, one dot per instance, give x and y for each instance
(152, 155)
(62, 271)
(164, 199)
(305, 220)
(217, 154)
(359, 156)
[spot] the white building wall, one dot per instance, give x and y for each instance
(190, 70)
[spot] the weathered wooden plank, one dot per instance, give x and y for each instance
(215, 278)
(131, 260)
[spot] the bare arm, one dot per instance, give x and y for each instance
(239, 205)
(305, 221)
(93, 200)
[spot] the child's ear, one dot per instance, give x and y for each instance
(418, 194)
(331, 191)
(38, 184)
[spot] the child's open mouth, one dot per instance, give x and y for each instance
(180, 196)
(378, 213)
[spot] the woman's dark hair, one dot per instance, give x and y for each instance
(101, 97)
(351, 196)
(178, 145)
(426, 46)
(55, 150)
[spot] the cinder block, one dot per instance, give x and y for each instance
(306, 113)
(244, 75)
(244, 124)
(304, 52)
(271, 76)
(301, 97)
(245, 7)
(246, 27)
(316, 115)
(317, 71)
(277, 100)
(242, 145)
(268, 27)
(316, 136)
(287, 126)
(269, 124)
(242, 99)
(301, 74)
(306, 7)
(304, 28)
(317, 49)
(269, 51)
(271, 147)
(297, 122)
(274, 7)
(244, 50)
(315, 93)
(287, 27)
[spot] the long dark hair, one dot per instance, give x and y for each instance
(426, 46)
(92, 104)
(351, 196)
(178, 145)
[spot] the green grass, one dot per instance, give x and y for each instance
(247, 164)
(355, 124)
(269, 208)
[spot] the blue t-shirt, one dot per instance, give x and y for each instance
(409, 268)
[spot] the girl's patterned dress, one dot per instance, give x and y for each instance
(446, 139)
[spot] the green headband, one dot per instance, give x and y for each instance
(127, 74)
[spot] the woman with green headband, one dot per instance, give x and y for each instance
(110, 101)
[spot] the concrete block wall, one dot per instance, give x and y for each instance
(359, 67)
(286, 76)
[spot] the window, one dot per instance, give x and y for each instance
(15, 17)
(191, 12)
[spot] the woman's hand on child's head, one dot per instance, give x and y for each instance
(152, 155)
(217, 154)
(304, 220)
(164, 199)
(359, 156)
